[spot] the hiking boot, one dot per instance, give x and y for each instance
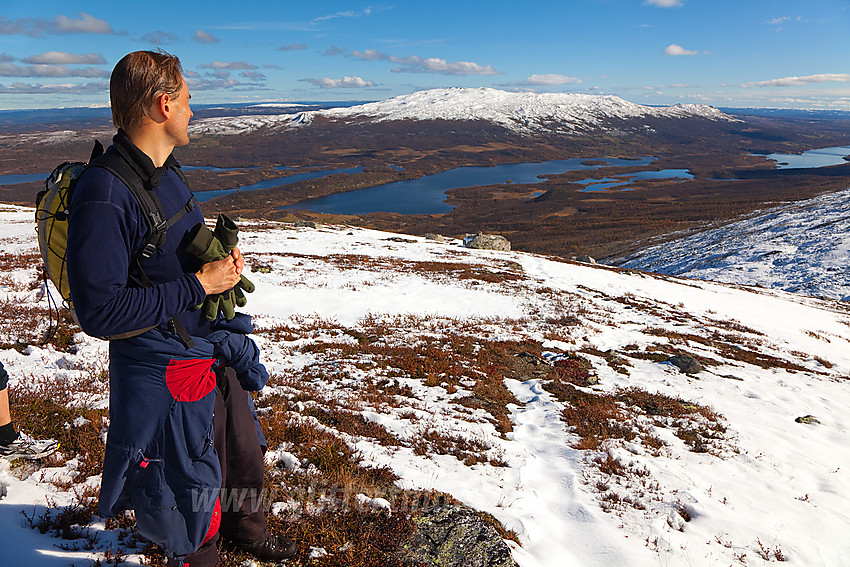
(272, 548)
(25, 447)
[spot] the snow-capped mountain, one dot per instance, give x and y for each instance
(337, 308)
(522, 112)
(800, 247)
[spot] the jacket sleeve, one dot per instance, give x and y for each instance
(105, 226)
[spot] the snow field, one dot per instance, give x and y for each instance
(773, 480)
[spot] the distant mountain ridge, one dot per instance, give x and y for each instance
(522, 112)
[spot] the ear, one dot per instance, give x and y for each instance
(164, 105)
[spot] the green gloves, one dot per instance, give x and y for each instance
(209, 246)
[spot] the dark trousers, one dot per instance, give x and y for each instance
(243, 520)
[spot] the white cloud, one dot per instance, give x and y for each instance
(229, 65)
(203, 37)
(346, 14)
(160, 37)
(38, 27)
(11, 70)
(797, 81)
(674, 49)
(416, 64)
(333, 50)
(352, 13)
(29, 89)
(222, 80)
(345, 82)
(783, 20)
(370, 55)
(86, 24)
(292, 47)
(664, 3)
(548, 79)
(65, 58)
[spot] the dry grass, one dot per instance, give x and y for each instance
(596, 417)
(23, 325)
(456, 271)
(45, 413)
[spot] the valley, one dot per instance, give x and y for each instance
(724, 153)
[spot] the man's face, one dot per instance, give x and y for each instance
(178, 122)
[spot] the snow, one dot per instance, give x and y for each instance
(800, 247)
(772, 482)
(519, 110)
(523, 112)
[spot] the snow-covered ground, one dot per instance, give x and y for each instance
(771, 488)
(800, 247)
(523, 112)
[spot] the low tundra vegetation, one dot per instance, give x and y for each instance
(429, 387)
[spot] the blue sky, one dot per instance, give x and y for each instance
(731, 53)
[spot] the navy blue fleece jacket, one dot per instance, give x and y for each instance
(107, 230)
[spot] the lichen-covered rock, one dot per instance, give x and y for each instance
(808, 420)
(685, 363)
(487, 242)
(305, 224)
(585, 259)
(455, 536)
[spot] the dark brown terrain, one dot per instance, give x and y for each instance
(730, 175)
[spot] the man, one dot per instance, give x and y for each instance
(171, 369)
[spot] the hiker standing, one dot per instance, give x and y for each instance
(182, 427)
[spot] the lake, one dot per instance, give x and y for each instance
(427, 194)
(822, 157)
(276, 182)
(592, 185)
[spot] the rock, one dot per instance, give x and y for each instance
(400, 239)
(305, 224)
(437, 237)
(455, 536)
(487, 242)
(585, 259)
(808, 420)
(533, 359)
(686, 364)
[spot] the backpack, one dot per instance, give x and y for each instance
(52, 216)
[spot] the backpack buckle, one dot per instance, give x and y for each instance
(148, 250)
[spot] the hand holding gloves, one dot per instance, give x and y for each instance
(209, 246)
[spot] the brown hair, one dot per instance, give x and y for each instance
(136, 82)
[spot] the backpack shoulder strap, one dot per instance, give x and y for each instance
(150, 203)
(154, 217)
